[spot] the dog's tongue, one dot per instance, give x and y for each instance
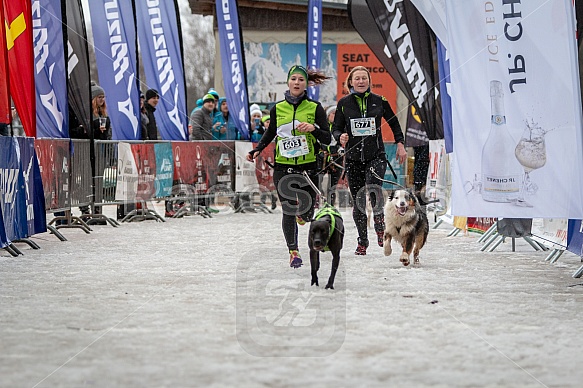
(401, 210)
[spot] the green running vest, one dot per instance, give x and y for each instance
(305, 113)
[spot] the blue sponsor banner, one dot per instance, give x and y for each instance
(233, 64)
(164, 169)
(445, 84)
(575, 237)
(159, 36)
(12, 190)
(52, 111)
(314, 42)
(114, 35)
(391, 151)
(35, 197)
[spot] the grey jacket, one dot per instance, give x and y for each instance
(201, 122)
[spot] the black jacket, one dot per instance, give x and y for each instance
(152, 127)
(97, 133)
(365, 148)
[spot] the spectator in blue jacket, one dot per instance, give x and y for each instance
(224, 127)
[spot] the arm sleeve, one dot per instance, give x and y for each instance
(338, 126)
(391, 118)
(323, 133)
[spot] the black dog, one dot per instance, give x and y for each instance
(326, 233)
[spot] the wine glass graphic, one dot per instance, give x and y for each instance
(531, 154)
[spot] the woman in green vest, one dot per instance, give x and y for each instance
(298, 125)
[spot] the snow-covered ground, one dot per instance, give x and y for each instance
(213, 302)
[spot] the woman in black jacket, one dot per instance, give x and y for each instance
(357, 127)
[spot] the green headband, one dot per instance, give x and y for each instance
(297, 69)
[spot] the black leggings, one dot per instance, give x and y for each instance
(297, 197)
(361, 180)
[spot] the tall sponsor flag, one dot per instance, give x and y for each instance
(516, 149)
(18, 23)
(314, 42)
(52, 113)
(409, 43)
(4, 89)
(160, 45)
(114, 34)
(233, 64)
(445, 86)
(434, 13)
(363, 21)
(79, 87)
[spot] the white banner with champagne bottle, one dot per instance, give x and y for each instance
(517, 123)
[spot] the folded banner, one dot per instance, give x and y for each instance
(18, 25)
(12, 190)
(161, 51)
(233, 64)
(314, 42)
(515, 147)
(52, 112)
(36, 216)
(114, 34)
(78, 87)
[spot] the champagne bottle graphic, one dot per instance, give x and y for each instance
(500, 170)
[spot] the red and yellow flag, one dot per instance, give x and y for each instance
(17, 21)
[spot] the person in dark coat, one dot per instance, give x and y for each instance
(152, 99)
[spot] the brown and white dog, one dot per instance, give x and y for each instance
(406, 222)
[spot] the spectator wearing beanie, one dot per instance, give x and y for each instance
(201, 121)
(215, 94)
(256, 128)
(152, 99)
(100, 124)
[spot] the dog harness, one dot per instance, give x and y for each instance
(328, 210)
